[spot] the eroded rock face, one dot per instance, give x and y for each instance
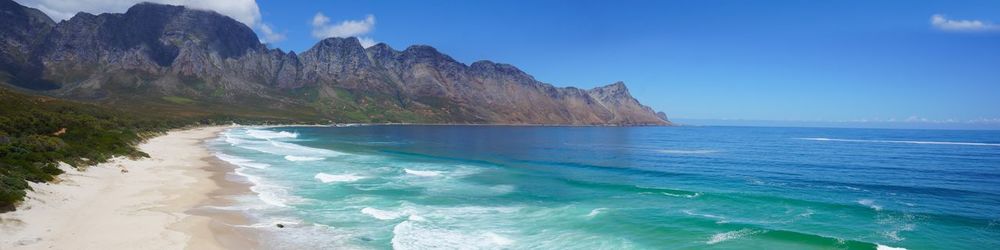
(160, 50)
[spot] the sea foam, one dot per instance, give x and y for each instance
(240, 162)
(418, 235)
(870, 203)
(303, 158)
(304, 149)
(424, 173)
(732, 235)
(884, 247)
(595, 212)
(381, 214)
(327, 178)
(270, 194)
(266, 134)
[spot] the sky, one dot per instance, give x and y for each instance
(864, 62)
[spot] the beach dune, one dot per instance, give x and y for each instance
(146, 207)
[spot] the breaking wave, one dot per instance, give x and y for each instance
(303, 158)
(327, 178)
(424, 173)
(267, 134)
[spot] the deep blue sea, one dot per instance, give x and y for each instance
(502, 187)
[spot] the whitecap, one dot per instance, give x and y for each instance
(303, 158)
(267, 134)
(884, 247)
(806, 214)
(423, 173)
(903, 141)
(305, 149)
(231, 140)
(870, 203)
(327, 178)
(689, 196)
(284, 148)
(732, 235)
(498, 239)
(691, 212)
(241, 162)
(381, 214)
(502, 189)
(596, 211)
(270, 194)
(413, 235)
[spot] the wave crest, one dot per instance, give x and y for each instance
(303, 158)
(423, 173)
(267, 134)
(327, 178)
(732, 235)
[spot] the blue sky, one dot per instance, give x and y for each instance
(831, 61)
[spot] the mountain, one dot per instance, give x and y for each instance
(193, 62)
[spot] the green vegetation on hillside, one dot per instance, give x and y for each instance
(38, 132)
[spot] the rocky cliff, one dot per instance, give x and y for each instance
(171, 56)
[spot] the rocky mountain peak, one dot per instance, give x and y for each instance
(490, 68)
(171, 27)
(617, 89)
(22, 32)
(154, 50)
(24, 14)
(380, 47)
(426, 53)
(338, 43)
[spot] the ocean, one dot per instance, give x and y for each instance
(507, 187)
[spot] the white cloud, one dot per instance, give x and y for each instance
(244, 11)
(322, 28)
(269, 35)
(941, 22)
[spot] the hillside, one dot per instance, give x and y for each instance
(170, 58)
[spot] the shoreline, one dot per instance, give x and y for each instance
(160, 203)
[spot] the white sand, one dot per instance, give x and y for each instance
(102, 208)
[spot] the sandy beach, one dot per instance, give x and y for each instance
(152, 206)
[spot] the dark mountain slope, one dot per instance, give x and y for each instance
(174, 58)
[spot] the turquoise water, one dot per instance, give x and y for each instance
(493, 187)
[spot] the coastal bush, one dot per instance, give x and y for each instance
(36, 133)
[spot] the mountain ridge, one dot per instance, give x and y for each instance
(181, 58)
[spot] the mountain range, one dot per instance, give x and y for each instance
(172, 59)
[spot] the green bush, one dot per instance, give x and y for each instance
(31, 148)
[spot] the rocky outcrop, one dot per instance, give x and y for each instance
(22, 32)
(154, 51)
